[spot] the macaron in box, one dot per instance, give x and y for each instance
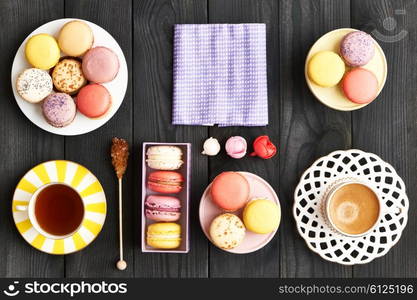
(165, 197)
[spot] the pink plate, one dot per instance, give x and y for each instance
(252, 241)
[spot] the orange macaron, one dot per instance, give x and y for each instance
(230, 191)
(360, 86)
(93, 100)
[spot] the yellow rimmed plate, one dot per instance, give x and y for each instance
(79, 178)
(333, 97)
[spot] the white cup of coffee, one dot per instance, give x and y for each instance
(56, 210)
(354, 208)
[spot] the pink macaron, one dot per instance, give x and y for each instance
(162, 208)
(93, 100)
(360, 86)
(100, 65)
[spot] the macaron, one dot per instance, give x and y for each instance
(230, 191)
(164, 157)
(227, 231)
(75, 38)
(357, 48)
(164, 235)
(68, 76)
(236, 147)
(261, 216)
(93, 100)
(42, 51)
(59, 109)
(100, 65)
(360, 86)
(326, 68)
(162, 208)
(34, 85)
(165, 182)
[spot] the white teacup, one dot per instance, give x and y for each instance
(30, 208)
(352, 209)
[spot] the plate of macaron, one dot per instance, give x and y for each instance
(346, 69)
(69, 76)
(239, 212)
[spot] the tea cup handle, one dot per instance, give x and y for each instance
(21, 207)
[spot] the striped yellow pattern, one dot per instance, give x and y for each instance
(61, 168)
(42, 173)
(76, 175)
(79, 175)
(38, 241)
(26, 186)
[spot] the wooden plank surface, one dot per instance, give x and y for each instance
(265, 262)
(309, 130)
(152, 58)
(388, 127)
(301, 127)
(23, 145)
(93, 151)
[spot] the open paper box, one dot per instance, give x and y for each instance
(183, 196)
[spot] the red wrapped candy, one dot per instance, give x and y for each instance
(263, 147)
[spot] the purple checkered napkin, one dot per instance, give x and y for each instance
(220, 75)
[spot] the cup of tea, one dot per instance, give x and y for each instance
(353, 208)
(56, 210)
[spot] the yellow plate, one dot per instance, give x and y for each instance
(82, 180)
(333, 97)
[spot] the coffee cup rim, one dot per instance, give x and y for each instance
(33, 219)
(334, 188)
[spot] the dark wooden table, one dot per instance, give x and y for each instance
(303, 129)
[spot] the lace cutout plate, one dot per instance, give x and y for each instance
(311, 224)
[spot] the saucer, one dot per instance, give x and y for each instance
(252, 241)
(333, 97)
(79, 178)
(320, 237)
(81, 124)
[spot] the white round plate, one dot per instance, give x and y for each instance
(311, 221)
(81, 124)
(252, 241)
(333, 97)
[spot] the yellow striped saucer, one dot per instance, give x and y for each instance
(81, 179)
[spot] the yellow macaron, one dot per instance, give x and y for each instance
(326, 68)
(164, 235)
(42, 51)
(261, 216)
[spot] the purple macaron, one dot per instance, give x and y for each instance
(59, 109)
(162, 208)
(357, 48)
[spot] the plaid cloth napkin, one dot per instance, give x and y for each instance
(220, 75)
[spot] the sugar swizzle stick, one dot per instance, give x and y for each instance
(119, 156)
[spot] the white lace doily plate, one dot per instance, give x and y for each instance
(308, 200)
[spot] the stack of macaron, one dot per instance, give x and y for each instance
(162, 204)
(68, 67)
(230, 191)
(348, 67)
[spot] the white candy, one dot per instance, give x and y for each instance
(211, 147)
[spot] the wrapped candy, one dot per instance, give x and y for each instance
(263, 147)
(211, 147)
